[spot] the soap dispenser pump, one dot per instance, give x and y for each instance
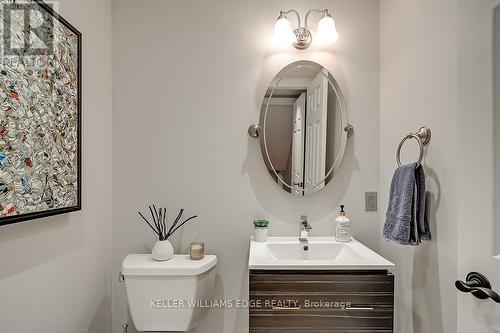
(342, 227)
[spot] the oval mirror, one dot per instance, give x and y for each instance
(303, 128)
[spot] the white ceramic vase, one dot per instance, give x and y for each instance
(163, 250)
(260, 234)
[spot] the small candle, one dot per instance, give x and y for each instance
(197, 250)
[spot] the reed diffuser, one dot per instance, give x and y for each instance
(163, 249)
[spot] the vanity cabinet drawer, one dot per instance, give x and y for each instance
(323, 302)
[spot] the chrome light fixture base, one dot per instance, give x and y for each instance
(304, 38)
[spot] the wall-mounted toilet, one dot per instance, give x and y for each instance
(161, 294)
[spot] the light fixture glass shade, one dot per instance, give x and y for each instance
(283, 34)
(327, 32)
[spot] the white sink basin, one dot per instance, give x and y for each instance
(315, 251)
(321, 253)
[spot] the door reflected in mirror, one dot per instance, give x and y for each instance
(304, 128)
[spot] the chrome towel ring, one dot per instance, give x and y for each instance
(423, 137)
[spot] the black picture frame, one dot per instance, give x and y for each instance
(36, 215)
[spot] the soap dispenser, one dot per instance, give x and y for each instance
(342, 227)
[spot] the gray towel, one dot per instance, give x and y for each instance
(423, 231)
(406, 219)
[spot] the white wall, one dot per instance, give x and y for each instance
(54, 272)
(418, 83)
(188, 80)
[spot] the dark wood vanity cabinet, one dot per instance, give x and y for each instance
(321, 301)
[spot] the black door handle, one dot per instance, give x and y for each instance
(478, 285)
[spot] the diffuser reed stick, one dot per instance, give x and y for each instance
(159, 222)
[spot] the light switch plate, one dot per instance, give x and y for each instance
(371, 201)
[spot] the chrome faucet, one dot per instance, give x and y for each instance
(305, 227)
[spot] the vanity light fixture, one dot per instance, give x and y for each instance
(301, 37)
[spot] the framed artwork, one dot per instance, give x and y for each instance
(40, 112)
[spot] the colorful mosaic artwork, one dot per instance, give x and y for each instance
(39, 114)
